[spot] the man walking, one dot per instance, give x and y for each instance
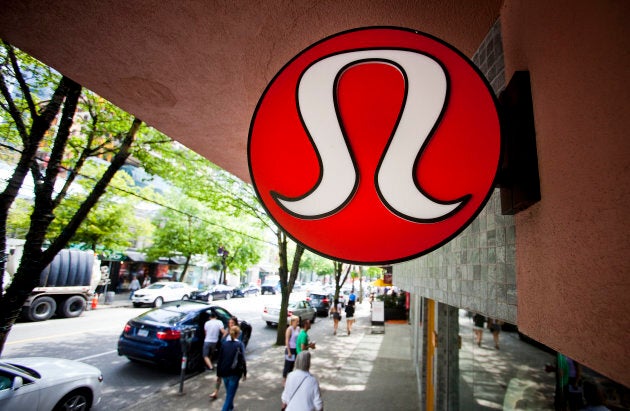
(302, 343)
(214, 330)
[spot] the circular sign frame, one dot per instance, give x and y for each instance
(375, 145)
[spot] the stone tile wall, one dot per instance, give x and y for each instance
(476, 270)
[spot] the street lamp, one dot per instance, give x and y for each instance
(223, 253)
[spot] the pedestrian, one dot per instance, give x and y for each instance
(478, 322)
(302, 343)
(226, 336)
(231, 366)
(147, 281)
(213, 331)
(335, 312)
(495, 328)
(133, 286)
(301, 391)
(290, 344)
(349, 315)
(352, 297)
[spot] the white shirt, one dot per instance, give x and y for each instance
(213, 329)
(305, 398)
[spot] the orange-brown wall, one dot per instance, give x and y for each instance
(573, 247)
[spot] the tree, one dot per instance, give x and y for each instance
(112, 223)
(224, 193)
(38, 108)
(340, 276)
(182, 234)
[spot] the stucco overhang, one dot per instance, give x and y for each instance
(196, 69)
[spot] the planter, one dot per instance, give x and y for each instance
(395, 314)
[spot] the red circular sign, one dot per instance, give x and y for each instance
(375, 145)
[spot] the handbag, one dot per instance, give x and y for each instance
(237, 362)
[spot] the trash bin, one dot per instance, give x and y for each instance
(109, 297)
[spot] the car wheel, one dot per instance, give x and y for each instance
(269, 323)
(136, 305)
(42, 309)
(210, 297)
(158, 302)
(75, 400)
(228, 296)
(313, 320)
(72, 307)
(185, 297)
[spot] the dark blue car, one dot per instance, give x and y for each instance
(246, 290)
(154, 336)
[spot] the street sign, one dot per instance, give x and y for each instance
(375, 145)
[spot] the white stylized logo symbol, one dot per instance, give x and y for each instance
(425, 96)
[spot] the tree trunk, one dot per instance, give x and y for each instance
(287, 280)
(185, 271)
(34, 260)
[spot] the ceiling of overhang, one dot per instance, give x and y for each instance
(196, 69)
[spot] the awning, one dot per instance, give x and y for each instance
(380, 283)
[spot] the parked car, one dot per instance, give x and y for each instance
(158, 293)
(270, 288)
(214, 292)
(321, 301)
(301, 308)
(154, 336)
(246, 290)
(44, 384)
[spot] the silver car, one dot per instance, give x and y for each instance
(44, 384)
(301, 308)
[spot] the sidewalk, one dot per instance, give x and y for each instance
(374, 371)
(371, 371)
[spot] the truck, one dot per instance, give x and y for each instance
(65, 285)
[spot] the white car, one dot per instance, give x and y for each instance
(157, 293)
(44, 384)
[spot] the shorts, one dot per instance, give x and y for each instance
(208, 348)
(289, 365)
(350, 317)
(336, 316)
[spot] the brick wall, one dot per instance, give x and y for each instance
(476, 270)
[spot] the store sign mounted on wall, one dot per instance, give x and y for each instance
(375, 145)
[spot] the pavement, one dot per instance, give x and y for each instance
(372, 369)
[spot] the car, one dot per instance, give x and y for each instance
(246, 290)
(155, 336)
(300, 308)
(214, 292)
(270, 288)
(158, 293)
(321, 300)
(43, 383)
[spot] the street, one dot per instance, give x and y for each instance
(92, 338)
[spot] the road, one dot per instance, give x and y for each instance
(92, 338)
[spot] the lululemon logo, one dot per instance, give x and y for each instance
(426, 87)
(374, 134)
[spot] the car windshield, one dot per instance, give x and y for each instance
(21, 368)
(156, 286)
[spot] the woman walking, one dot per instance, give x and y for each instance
(335, 311)
(232, 366)
(349, 315)
(290, 339)
(302, 389)
(231, 323)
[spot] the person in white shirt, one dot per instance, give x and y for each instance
(214, 330)
(301, 392)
